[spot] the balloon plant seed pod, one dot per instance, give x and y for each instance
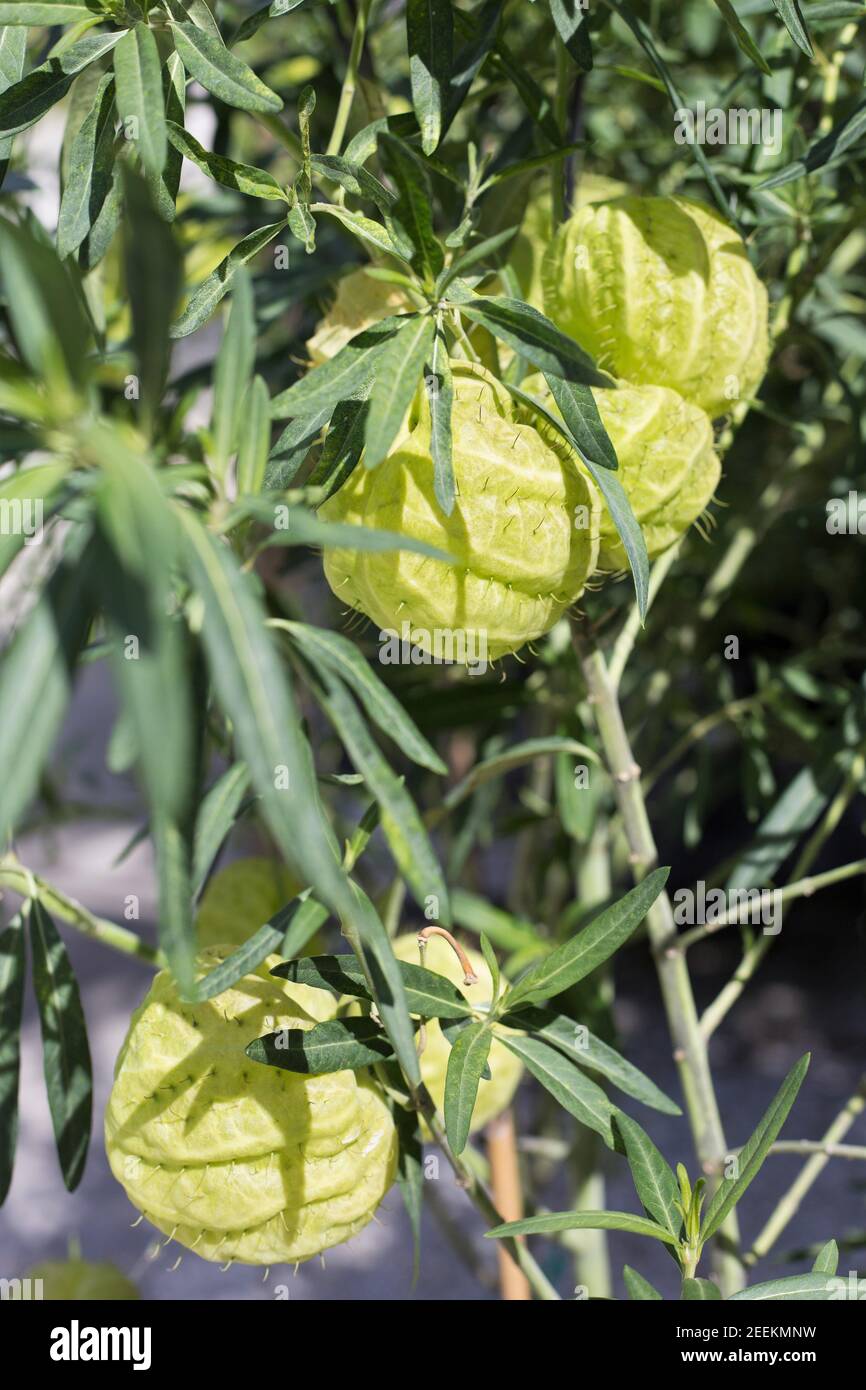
(242, 897)
(233, 1159)
(506, 1070)
(668, 466)
(523, 533)
(661, 292)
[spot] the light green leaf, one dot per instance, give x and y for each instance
(24, 102)
(566, 1083)
(217, 815)
(207, 296)
(48, 12)
(153, 277)
(700, 1291)
(582, 1221)
(244, 178)
(440, 397)
(827, 1259)
(342, 376)
(742, 36)
(46, 315)
(254, 437)
(639, 1289)
(368, 231)
(233, 371)
(792, 18)
(140, 100)
(398, 373)
(799, 1288)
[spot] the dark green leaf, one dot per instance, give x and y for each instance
(207, 296)
(344, 443)
(742, 36)
(582, 1221)
(570, 18)
(89, 172)
(254, 440)
(354, 178)
(792, 18)
(342, 1044)
(410, 220)
(24, 102)
(217, 815)
(340, 377)
(440, 397)
(12, 971)
(653, 1177)
(427, 994)
(398, 373)
(534, 337)
(288, 930)
(233, 371)
(830, 147)
(207, 59)
(153, 279)
(566, 1083)
(639, 1289)
(753, 1153)
(590, 947)
(140, 100)
(65, 1050)
(244, 178)
(45, 311)
(430, 36)
(410, 1175)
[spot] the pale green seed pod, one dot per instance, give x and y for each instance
(360, 301)
(668, 466)
(506, 1070)
(661, 292)
(74, 1281)
(523, 532)
(234, 1159)
(240, 898)
(536, 230)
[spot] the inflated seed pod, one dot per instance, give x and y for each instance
(506, 1070)
(234, 1159)
(360, 301)
(536, 230)
(667, 463)
(73, 1281)
(523, 532)
(662, 293)
(240, 898)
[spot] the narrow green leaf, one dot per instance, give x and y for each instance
(753, 1153)
(13, 56)
(207, 59)
(344, 443)
(341, 1044)
(792, 17)
(13, 966)
(410, 220)
(799, 1288)
(500, 763)
(254, 437)
(582, 1221)
(440, 397)
(430, 36)
(45, 311)
(65, 1050)
(829, 149)
(742, 36)
(292, 448)
(398, 373)
(570, 18)
(365, 229)
(410, 1175)
(577, 406)
(140, 99)
(289, 930)
(89, 172)
(466, 1062)
(217, 815)
(48, 12)
(534, 337)
(354, 178)
(153, 278)
(639, 1289)
(207, 296)
(827, 1259)
(566, 1083)
(244, 178)
(22, 104)
(165, 188)
(493, 966)
(427, 994)
(233, 371)
(343, 658)
(589, 948)
(653, 1176)
(343, 375)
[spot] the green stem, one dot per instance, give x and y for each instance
(803, 888)
(350, 81)
(690, 1051)
(20, 880)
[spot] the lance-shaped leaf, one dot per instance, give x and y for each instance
(640, 1290)
(792, 17)
(398, 373)
(400, 819)
(254, 437)
(566, 1083)
(826, 151)
(700, 1291)
(582, 1221)
(372, 233)
(440, 397)
(410, 220)
(288, 931)
(292, 448)
(13, 56)
(48, 12)
(800, 1288)
(570, 18)
(45, 311)
(343, 658)
(228, 77)
(217, 815)
(427, 994)
(153, 279)
(233, 371)
(341, 1044)
(344, 443)
(89, 171)
(140, 99)
(480, 30)
(244, 178)
(589, 948)
(343, 375)
(430, 36)
(65, 1050)
(466, 1062)
(24, 102)
(827, 1259)
(577, 1042)
(165, 188)
(742, 36)
(654, 1179)
(354, 178)
(13, 964)
(204, 300)
(534, 337)
(753, 1153)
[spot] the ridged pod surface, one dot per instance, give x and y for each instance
(505, 1069)
(73, 1281)
(524, 529)
(234, 1159)
(662, 293)
(536, 230)
(667, 463)
(240, 898)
